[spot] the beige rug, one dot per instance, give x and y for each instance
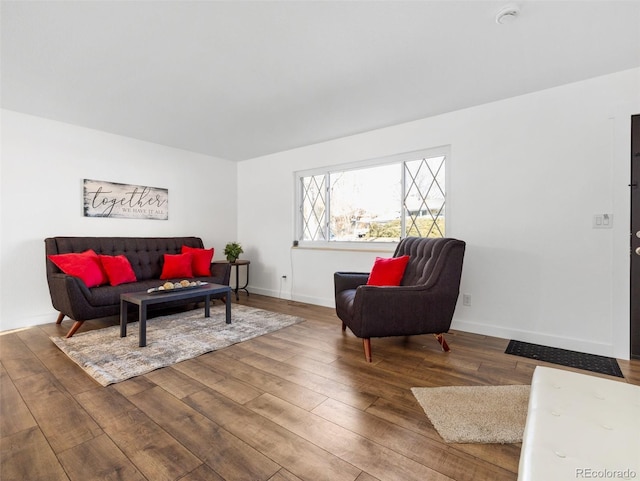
(108, 358)
(476, 414)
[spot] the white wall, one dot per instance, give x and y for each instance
(42, 167)
(527, 175)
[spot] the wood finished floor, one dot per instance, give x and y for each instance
(297, 404)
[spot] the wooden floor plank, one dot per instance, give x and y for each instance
(202, 473)
(284, 475)
(505, 456)
(70, 375)
(360, 451)
(223, 452)
(298, 395)
(231, 387)
(26, 455)
(14, 414)
(18, 359)
(308, 378)
(368, 380)
(316, 354)
(154, 452)
(296, 454)
(422, 449)
(60, 417)
(195, 369)
(98, 458)
(366, 477)
(174, 381)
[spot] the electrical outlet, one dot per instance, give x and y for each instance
(603, 221)
(466, 299)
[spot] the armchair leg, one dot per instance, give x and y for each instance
(74, 328)
(60, 317)
(344, 326)
(442, 342)
(366, 343)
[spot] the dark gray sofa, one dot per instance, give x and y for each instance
(72, 298)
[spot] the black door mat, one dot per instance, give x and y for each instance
(579, 360)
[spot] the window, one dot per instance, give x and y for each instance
(375, 201)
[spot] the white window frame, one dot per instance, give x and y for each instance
(381, 245)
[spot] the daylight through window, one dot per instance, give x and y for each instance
(376, 201)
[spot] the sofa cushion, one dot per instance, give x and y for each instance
(177, 266)
(118, 269)
(110, 295)
(85, 265)
(200, 261)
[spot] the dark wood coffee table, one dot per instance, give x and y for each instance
(144, 299)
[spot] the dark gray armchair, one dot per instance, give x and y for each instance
(424, 302)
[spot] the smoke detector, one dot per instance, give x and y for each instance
(507, 14)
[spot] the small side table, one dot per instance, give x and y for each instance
(237, 264)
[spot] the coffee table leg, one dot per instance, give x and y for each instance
(143, 325)
(228, 308)
(123, 318)
(207, 305)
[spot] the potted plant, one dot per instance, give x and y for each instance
(233, 250)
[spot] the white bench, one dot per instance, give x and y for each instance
(580, 427)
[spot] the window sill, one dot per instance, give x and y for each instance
(385, 247)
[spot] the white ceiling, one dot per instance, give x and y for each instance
(242, 79)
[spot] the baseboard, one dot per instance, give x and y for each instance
(318, 301)
(268, 292)
(551, 340)
(7, 327)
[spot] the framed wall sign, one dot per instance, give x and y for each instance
(124, 201)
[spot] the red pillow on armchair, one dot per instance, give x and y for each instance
(388, 272)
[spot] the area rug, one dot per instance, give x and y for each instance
(109, 359)
(476, 414)
(563, 357)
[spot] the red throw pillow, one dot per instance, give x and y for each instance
(176, 266)
(118, 269)
(388, 272)
(85, 265)
(201, 260)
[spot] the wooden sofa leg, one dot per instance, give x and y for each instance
(60, 318)
(344, 326)
(366, 342)
(442, 342)
(74, 328)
